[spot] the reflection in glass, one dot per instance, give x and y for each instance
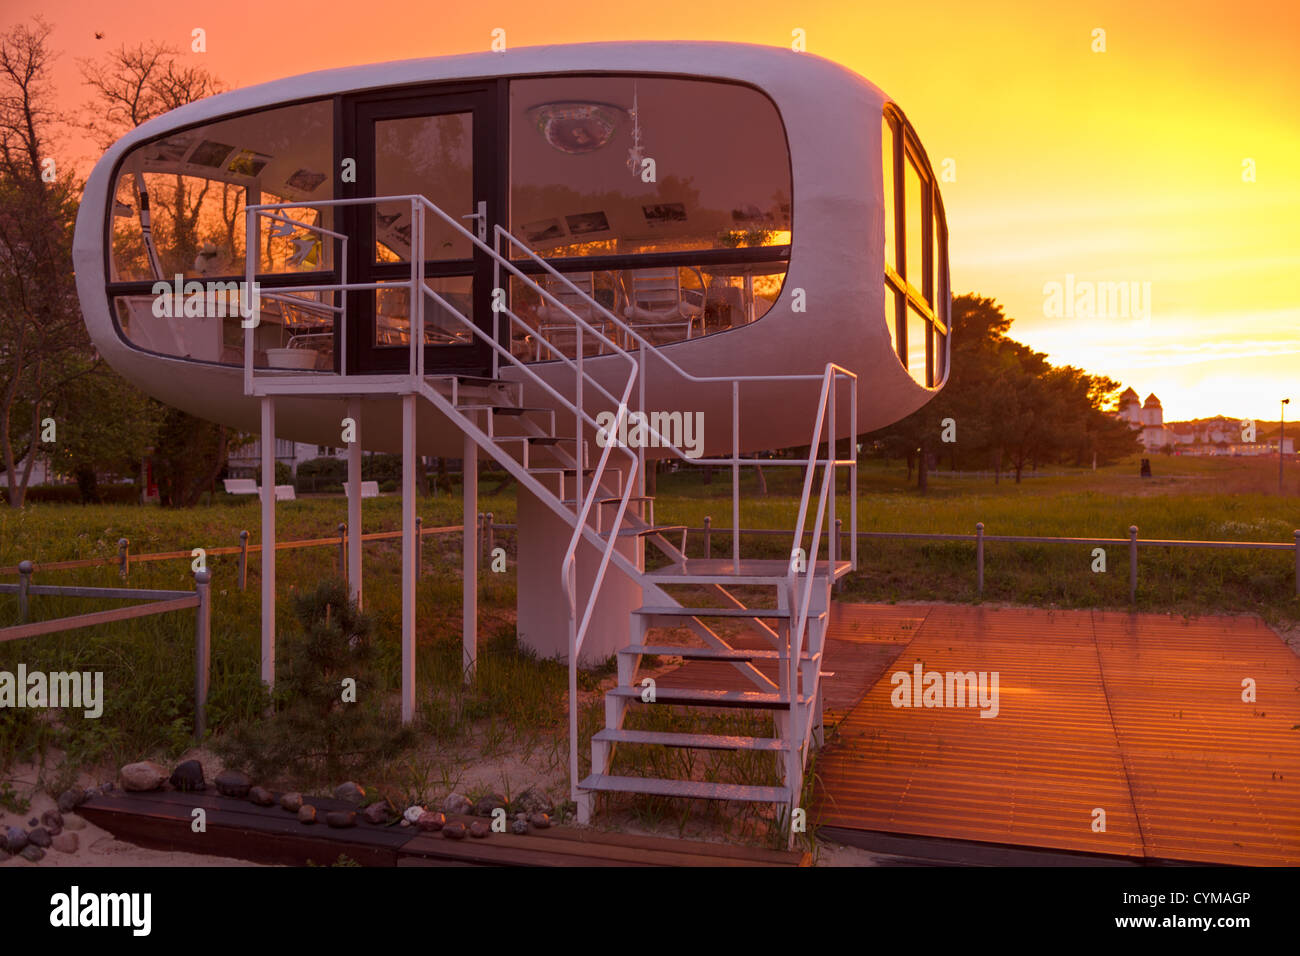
(914, 225)
(887, 167)
(918, 332)
(722, 168)
(431, 156)
(179, 200)
(442, 326)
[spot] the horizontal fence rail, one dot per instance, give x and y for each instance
(124, 556)
(1133, 542)
(155, 602)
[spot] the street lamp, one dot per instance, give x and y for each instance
(1281, 437)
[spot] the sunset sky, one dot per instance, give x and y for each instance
(1122, 166)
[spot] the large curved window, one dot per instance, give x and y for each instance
(178, 209)
(916, 253)
(668, 199)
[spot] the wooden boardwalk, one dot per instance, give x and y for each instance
(237, 828)
(1138, 715)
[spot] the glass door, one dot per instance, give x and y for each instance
(444, 146)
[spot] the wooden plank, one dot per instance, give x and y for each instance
(98, 617)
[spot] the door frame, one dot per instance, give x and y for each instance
(488, 103)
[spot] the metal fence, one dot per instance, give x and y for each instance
(1133, 543)
(155, 602)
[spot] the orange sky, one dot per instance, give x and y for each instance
(1122, 166)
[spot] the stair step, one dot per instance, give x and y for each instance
(699, 653)
(697, 741)
(535, 439)
(631, 498)
(675, 611)
(752, 699)
(500, 409)
(692, 653)
(685, 788)
(653, 529)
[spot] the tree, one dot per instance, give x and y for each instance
(130, 86)
(43, 343)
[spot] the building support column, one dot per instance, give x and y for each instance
(354, 502)
(408, 557)
(470, 576)
(268, 541)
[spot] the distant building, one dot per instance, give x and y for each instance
(1147, 417)
(245, 462)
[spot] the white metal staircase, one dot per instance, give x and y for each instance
(547, 449)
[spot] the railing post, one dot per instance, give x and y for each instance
(979, 555)
(482, 538)
(25, 581)
(419, 547)
(1297, 564)
(343, 547)
(202, 651)
(1132, 564)
(708, 536)
(243, 560)
(123, 557)
(835, 552)
(489, 534)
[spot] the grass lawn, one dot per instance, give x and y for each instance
(518, 701)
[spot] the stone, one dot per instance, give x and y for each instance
(233, 783)
(69, 800)
(376, 813)
(291, 802)
(485, 805)
(532, 800)
(143, 776)
(411, 814)
(188, 777)
(341, 819)
(66, 842)
(52, 820)
(454, 831)
(33, 853)
(430, 821)
(457, 804)
(519, 826)
(351, 792)
(34, 822)
(306, 813)
(73, 822)
(540, 820)
(39, 837)
(261, 796)
(478, 829)
(15, 839)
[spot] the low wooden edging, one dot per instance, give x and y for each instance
(239, 829)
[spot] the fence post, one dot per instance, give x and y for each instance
(835, 554)
(1297, 564)
(979, 555)
(343, 547)
(708, 536)
(25, 581)
(243, 560)
(482, 538)
(1132, 564)
(202, 651)
(419, 546)
(490, 534)
(123, 557)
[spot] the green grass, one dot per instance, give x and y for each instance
(519, 701)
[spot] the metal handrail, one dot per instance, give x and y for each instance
(419, 287)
